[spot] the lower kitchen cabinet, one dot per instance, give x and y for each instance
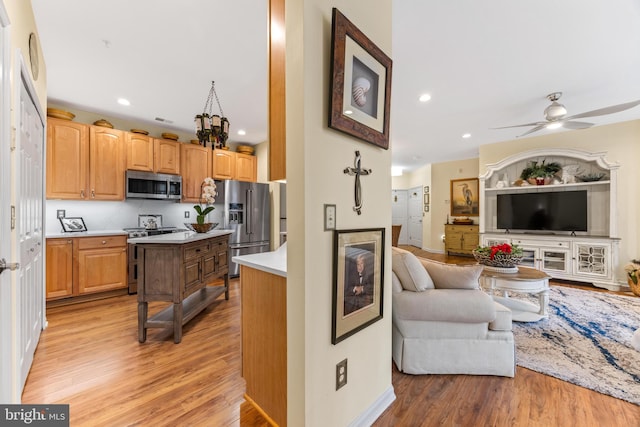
(83, 266)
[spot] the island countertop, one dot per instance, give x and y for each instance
(271, 262)
(179, 238)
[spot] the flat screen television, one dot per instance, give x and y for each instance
(549, 211)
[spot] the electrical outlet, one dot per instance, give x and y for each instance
(186, 214)
(341, 374)
(60, 213)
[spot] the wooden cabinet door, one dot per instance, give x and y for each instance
(224, 164)
(102, 269)
(106, 164)
(246, 167)
(195, 164)
(67, 159)
(59, 268)
(139, 152)
(166, 156)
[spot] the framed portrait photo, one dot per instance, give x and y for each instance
(360, 84)
(358, 278)
(75, 224)
(464, 197)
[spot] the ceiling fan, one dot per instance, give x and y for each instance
(556, 115)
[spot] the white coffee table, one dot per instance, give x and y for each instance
(526, 280)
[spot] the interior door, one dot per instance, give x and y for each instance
(29, 196)
(415, 217)
(399, 213)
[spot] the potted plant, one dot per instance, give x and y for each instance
(540, 173)
(633, 271)
(503, 256)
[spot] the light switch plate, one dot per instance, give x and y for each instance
(329, 217)
(61, 213)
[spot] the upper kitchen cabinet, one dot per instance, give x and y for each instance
(166, 156)
(67, 159)
(106, 163)
(195, 163)
(148, 154)
(232, 165)
(84, 162)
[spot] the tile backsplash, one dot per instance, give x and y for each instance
(118, 215)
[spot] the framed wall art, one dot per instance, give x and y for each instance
(465, 199)
(360, 84)
(75, 224)
(358, 279)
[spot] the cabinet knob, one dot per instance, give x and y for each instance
(104, 242)
(93, 194)
(69, 241)
(82, 194)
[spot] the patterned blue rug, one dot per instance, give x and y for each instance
(586, 341)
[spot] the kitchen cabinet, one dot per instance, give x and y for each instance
(233, 165)
(59, 268)
(82, 266)
(166, 156)
(67, 159)
(102, 264)
(148, 154)
(460, 239)
(84, 162)
(195, 164)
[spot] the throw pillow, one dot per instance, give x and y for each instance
(412, 274)
(450, 276)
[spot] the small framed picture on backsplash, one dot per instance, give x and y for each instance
(75, 224)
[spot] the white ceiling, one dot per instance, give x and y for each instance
(485, 63)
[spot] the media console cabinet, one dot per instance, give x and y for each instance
(177, 268)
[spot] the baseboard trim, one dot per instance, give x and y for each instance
(368, 417)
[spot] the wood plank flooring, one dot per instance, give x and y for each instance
(90, 358)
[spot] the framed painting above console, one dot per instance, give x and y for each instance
(581, 245)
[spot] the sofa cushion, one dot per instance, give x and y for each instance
(450, 276)
(412, 274)
(447, 305)
(503, 319)
(396, 286)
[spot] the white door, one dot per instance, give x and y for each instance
(29, 200)
(8, 393)
(415, 217)
(399, 213)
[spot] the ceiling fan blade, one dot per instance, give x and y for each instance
(518, 126)
(607, 110)
(576, 125)
(535, 129)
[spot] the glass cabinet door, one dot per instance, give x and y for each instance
(529, 257)
(555, 260)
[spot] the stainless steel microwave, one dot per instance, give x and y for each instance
(158, 186)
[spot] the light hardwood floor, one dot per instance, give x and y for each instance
(90, 358)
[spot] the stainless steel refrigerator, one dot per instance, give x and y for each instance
(247, 211)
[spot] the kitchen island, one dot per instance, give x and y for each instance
(263, 287)
(177, 268)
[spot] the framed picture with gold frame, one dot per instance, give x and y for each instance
(464, 197)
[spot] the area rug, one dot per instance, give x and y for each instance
(586, 341)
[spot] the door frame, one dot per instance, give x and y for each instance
(8, 368)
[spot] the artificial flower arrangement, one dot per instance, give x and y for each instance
(208, 197)
(503, 255)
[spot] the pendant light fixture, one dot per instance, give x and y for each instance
(212, 128)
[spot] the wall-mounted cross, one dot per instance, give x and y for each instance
(357, 171)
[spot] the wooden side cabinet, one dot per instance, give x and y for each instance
(232, 165)
(166, 156)
(195, 164)
(461, 239)
(246, 167)
(59, 268)
(139, 152)
(67, 159)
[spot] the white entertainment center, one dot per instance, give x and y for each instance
(584, 256)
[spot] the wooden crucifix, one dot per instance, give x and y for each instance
(357, 189)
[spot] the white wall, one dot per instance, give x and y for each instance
(316, 156)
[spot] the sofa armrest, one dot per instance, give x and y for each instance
(446, 305)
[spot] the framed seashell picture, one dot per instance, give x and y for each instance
(360, 84)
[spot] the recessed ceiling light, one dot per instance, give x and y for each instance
(123, 101)
(466, 135)
(396, 171)
(242, 132)
(555, 125)
(425, 97)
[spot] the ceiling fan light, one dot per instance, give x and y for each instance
(555, 111)
(554, 125)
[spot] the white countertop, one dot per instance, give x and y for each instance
(271, 262)
(86, 234)
(179, 238)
